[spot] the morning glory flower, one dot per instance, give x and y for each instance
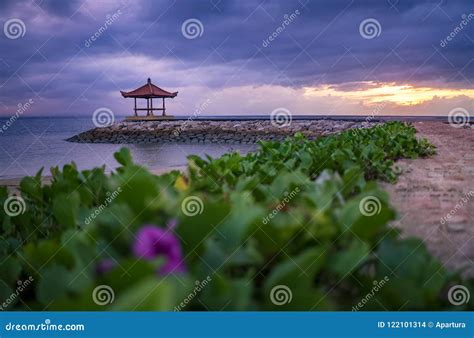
(152, 242)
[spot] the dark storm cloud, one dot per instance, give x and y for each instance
(321, 45)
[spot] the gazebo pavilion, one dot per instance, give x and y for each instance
(149, 92)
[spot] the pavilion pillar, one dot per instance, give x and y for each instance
(147, 107)
(164, 109)
(151, 106)
(135, 109)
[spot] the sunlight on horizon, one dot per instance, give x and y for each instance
(403, 95)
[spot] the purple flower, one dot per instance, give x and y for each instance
(152, 242)
(105, 266)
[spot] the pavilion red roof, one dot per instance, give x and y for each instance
(148, 90)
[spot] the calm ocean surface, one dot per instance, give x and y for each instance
(31, 143)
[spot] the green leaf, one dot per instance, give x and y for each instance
(66, 208)
(31, 187)
(193, 229)
(366, 215)
(150, 294)
(409, 266)
(10, 268)
(124, 157)
(7, 226)
(298, 271)
(236, 225)
(347, 260)
(53, 284)
(45, 253)
(353, 178)
(226, 294)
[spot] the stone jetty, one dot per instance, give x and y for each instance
(186, 131)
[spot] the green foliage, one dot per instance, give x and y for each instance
(288, 214)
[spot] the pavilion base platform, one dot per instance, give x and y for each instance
(149, 118)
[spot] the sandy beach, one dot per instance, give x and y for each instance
(435, 196)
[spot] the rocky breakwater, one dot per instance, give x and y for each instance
(185, 131)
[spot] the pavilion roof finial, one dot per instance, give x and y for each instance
(149, 80)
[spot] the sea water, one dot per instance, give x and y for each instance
(31, 143)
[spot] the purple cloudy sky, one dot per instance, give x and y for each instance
(321, 58)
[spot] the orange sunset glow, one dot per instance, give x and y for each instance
(403, 95)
